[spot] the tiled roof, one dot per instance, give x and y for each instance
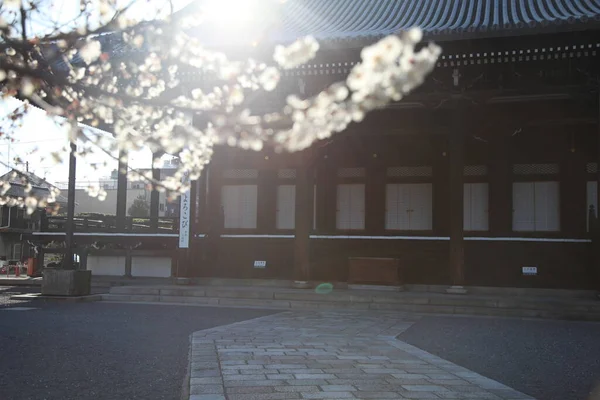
(40, 186)
(348, 19)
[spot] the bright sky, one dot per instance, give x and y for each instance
(40, 132)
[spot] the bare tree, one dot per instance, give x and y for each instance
(106, 68)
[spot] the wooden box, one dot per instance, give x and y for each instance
(374, 271)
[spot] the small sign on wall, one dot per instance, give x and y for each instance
(260, 264)
(529, 270)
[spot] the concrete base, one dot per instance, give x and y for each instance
(301, 285)
(183, 281)
(456, 290)
(69, 299)
(64, 282)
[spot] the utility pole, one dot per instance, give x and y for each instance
(70, 225)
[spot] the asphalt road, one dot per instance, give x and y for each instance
(100, 351)
(549, 360)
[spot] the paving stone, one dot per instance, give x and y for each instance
(305, 382)
(328, 395)
(266, 382)
(302, 371)
(252, 377)
(382, 371)
(207, 397)
(379, 395)
(314, 376)
(285, 366)
(204, 381)
(337, 388)
(264, 396)
(420, 395)
(203, 373)
(206, 389)
(425, 388)
(204, 365)
(240, 366)
(250, 389)
(304, 389)
(409, 376)
(280, 376)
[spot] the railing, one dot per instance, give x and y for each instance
(108, 223)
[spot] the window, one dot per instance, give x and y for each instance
(592, 200)
(350, 206)
(408, 206)
(239, 205)
(286, 206)
(17, 251)
(536, 206)
(475, 207)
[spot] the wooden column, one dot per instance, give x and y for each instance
(267, 200)
(154, 195)
(573, 197)
(122, 191)
(456, 170)
(326, 196)
(70, 225)
(500, 194)
(441, 210)
(304, 200)
(596, 232)
(375, 199)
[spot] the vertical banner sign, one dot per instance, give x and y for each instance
(184, 215)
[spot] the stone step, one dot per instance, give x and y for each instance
(378, 297)
(409, 302)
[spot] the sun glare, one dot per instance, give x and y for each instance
(230, 11)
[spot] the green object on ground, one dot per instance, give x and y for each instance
(324, 288)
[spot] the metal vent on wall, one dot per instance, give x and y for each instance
(409, 171)
(535, 169)
(475, 170)
(286, 173)
(240, 174)
(351, 173)
(591, 167)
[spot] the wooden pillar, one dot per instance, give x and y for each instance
(70, 225)
(500, 194)
(441, 210)
(375, 199)
(154, 195)
(573, 197)
(267, 201)
(596, 232)
(456, 170)
(304, 200)
(326, 196)
(122, 191)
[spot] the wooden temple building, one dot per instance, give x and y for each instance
(486, 175)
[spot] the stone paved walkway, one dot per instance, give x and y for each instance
(327, 355)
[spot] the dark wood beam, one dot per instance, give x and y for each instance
(456, 156)
(304, 200)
